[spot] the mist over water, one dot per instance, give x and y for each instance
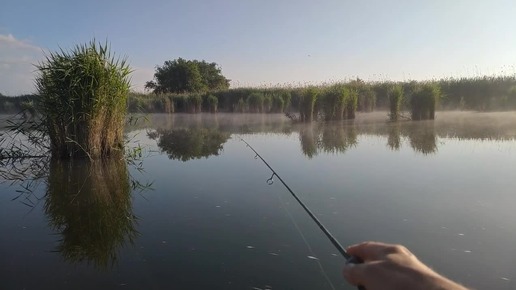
(443, 188)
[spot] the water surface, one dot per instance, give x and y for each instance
(443, 188)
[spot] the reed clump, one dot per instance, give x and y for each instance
(330, 99)
(255, 101)
(395, 94)
(83, 100)
(351, 103)
(193, 103)
(307, 100)
(366, 99)
(424, 101)
(240, 106)
(213, 103)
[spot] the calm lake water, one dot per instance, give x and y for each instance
(443, 188)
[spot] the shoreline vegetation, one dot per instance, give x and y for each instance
(420, 99)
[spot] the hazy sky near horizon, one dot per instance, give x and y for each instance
(269, 42)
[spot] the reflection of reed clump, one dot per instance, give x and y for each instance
(394, 137)
(308, 141)
(338, 139)
(89, 204)
(423, 138)
(327, 137)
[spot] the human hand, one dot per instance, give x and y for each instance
(393, 267)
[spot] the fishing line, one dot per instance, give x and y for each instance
(349, 259)
(305, 240)
(270, 181)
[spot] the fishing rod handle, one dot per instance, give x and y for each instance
(356, 260)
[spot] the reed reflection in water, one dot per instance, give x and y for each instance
(89, 204)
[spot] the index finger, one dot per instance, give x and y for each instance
(371, 251)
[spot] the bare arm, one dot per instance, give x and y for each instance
(393, 267)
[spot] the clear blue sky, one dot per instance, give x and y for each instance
(269, 42)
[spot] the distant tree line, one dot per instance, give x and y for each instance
(13, 105)
(194, 86)
(340, 101)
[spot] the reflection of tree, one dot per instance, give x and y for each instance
(188, 144)
(89, 204)
(423, 138)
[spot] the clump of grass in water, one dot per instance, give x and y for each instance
(351, 103)
(332, 102)
(83, 100)
(307, 103)
(423, 102)
(212, 103)
(395, 95)
(255, 102)
(194, 103)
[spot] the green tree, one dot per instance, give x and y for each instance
(212, 75)
(187, 76)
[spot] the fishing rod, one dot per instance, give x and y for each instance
(349, 258)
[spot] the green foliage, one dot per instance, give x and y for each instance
(15, 105)
(511, 98)
(478, 94)
(267, 101)
(194, 103)
(83, 99)
(307, 103)
(187, 76)
(351, 103)
(366, 99)
(255, 102)
(338, 102)
(278, 103)
(423, 102)
(329, 99)
(212, 103)
(395, 94)
(240, 106)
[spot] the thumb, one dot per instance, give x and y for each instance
(355, 273)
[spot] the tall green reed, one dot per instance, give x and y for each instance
(83, 100)
(307, 103)
(395, 94)
(424, 101)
